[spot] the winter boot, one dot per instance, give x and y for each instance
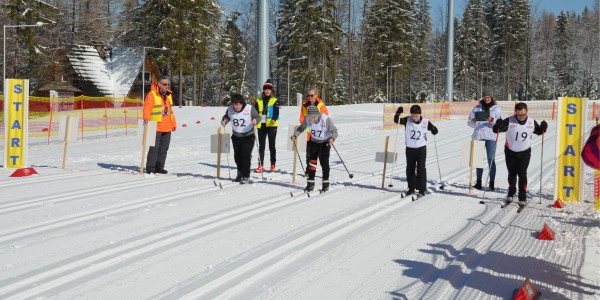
(238, 178)
(410, 192)
(421, 194)
(492, 185)
(161, 171)
(245, 180)
(325, 186)
(273, 168)
(310, 186)
(259, 169)
(478, 185)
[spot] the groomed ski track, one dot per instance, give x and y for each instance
(107, 233)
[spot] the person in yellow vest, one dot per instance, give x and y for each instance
(158, 107)
(267, 107)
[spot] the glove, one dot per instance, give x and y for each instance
(293, 138)
(490, 119)
(434, 130)
(399, 110)
(544, 126)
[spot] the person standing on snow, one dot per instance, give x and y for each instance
(312, 100)
(243, 117)
(517, 151)
(322, 135)
(158, 107)
(268, 109)
(483, 132)
(416, 128)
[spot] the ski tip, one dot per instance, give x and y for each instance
(215, 183)
(402, 195)
(220, 186)
(481, 202)
(291, 194)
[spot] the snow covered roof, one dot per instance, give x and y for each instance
(114, 75)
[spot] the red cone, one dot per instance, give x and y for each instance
(527, 291)
(197, 122)
(45, 129)
(24, 172)
(184, 125)
(546, 234)
(212, 118)
(558, 204)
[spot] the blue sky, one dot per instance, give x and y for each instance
(459, 5)
(537, 5)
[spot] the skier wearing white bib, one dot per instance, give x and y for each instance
(243, 117)
(519, 131)
(322, 135)
(416, 147)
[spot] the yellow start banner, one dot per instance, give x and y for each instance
(16, 119)
(571, 125)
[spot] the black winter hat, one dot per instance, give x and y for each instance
(268, 85)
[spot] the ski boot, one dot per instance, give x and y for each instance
(492, 188)
(310, 186)
(478, 185)
(259, 169)
(325, 187)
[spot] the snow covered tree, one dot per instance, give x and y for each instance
(232, 55)
(388, 39)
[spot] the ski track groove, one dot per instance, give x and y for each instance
(333, 230)
(110, 257)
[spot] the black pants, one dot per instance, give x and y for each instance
(242, 153)
(415, 160)
(157, 154)
(317, 151)
(263, 132)
(517, 163)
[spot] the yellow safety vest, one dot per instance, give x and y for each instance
(157, 110)
(270, 122)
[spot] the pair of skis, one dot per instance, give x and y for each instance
(509, 202)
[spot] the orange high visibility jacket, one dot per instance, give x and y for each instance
(159, 110)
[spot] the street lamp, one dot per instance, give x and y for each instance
(38, 24)
(144, 68)
(288, 79)
(434, 95)
(387, 86)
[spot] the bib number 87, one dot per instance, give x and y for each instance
(314, 132)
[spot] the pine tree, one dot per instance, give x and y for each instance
(232, 55)
(388, 38)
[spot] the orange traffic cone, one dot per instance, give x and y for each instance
(546, 233)
(558, 204)
(527, 291)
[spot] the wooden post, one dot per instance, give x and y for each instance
(125, 115)
(50, 123)
(82, 128)
(66, 141)
(219, 138)
(471, 158)
(144, 148)
(106, 117)
(385, 158)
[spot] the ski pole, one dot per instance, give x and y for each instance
(338, 154)
(490, 168)
(438, 163)
(541, 168)
(262, 176)
(396, 152)
(301, 164)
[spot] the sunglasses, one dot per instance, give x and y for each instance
(311, 95)
(165, 84)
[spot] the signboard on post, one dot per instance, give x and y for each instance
(571, 127)
(16, 121)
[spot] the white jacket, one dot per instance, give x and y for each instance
(483, 129)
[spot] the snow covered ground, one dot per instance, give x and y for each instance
(99, 230)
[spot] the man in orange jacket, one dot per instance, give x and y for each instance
(158, 107)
